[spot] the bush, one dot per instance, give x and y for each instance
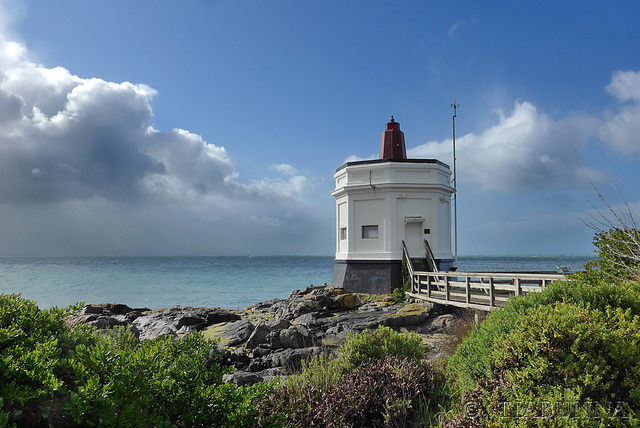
(158, 383)
(565, 365)
(388, 392)
(51, 375)
(398, 295)
(572, 348)
(34, 367)
(474, 358)
(371, 345)
(377, 379)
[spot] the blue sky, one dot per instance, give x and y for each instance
(214, 127)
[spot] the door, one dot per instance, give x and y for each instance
(413, 238)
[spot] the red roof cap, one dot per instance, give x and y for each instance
(392, 142)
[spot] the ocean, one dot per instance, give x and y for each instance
(227, 282)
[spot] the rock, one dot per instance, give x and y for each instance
(119, 309)
(278, 324)
(218, 315)
(239, 359)
(241, 378)
(105, 322)
(295, 337)
(264, 305)
(189, 320)
(260, 352)
(258, 364)
(291, 359)
(92, 309)
(238, 331)
(109, 309)
(346, 301)
(218, 357)
(258, 336)
(443, 321)
(133, 315)
(153, 326)
(273, 339)
(300, 307)
(315, 321)
(357, 322)
(408, 315)
(280, 333)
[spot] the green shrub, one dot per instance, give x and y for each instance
(34, 370)
(474, 358)
(566, 363)
(321, 374)
(398, 295)
(371, 345)
(560, 357)
(51, 375)
(163, 382)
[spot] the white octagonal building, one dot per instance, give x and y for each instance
(383, 203)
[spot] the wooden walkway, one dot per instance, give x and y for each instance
(474, 290)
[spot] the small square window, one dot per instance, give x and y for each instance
(369, 232)
(427, 231)
(343, 233)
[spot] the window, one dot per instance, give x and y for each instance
(343, 233)
(369, 232)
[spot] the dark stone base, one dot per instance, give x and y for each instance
(366, 276)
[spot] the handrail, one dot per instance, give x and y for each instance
(407, 259)
(477, 290)
(431, 260)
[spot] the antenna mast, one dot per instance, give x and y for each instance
(455, 178)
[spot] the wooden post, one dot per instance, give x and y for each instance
(518, 284)
(492, 301)
(468, 289)
(429, 286)
(448, 287)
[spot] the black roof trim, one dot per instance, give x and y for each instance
(376, 161)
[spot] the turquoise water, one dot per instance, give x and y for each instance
(228, 282)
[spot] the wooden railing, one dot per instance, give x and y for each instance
(431, 260)
(474, 290)
(406, 258)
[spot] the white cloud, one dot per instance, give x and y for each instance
(524, 150)
(455, 27)
(295, 187)
(621, 128)
(625, 85)
(285, 169)
(354, 158)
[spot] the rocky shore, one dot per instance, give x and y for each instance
(272, 338)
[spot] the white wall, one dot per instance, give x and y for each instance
(384, 194)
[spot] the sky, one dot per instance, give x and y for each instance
(214, 127)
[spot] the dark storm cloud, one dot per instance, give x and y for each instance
(88, 148)
(69, 138)
(82, 171)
